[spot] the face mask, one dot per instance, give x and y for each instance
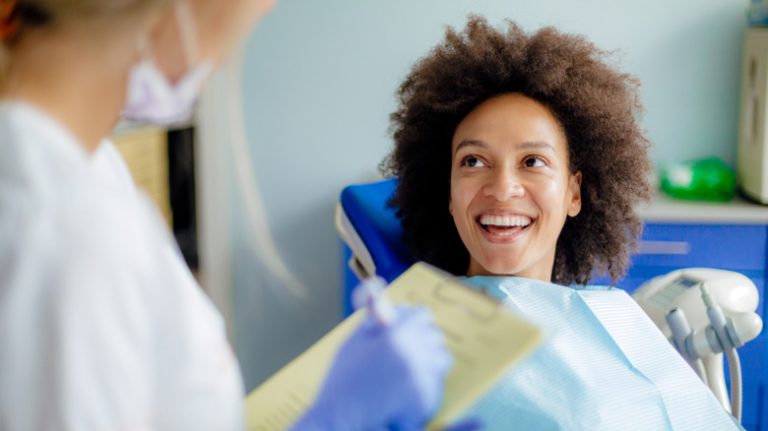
(151, 98)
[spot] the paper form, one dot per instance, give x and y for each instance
(484, 337)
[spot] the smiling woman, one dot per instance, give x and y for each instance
(496, 129)
(520, 163)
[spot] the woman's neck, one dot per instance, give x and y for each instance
(80, 83)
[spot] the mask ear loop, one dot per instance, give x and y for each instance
(144, 47)
(187, 31)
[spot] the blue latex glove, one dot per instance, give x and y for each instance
(385, 376)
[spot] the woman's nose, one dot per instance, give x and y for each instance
(503, 186)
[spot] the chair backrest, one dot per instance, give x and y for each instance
(376, 224)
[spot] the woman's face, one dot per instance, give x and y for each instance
(511, 187)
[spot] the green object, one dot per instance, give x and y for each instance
(707, 179)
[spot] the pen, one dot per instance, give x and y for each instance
(370, 293)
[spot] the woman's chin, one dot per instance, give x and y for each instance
(500, 269)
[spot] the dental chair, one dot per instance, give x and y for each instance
(371, 234)
(373, 245)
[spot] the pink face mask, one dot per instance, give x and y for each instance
(151, 98)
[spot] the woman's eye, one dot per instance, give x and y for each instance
(472, 162)
(534, 162)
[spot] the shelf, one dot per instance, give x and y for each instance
(737, 211)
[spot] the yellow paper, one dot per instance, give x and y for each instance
(483, 336)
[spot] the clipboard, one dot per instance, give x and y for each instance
(484, 337)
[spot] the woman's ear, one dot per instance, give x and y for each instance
(574, 206)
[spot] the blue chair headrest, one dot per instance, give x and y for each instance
(365, 205)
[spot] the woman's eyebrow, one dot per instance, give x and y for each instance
(536, 145)
(532, 145)
(471, 143)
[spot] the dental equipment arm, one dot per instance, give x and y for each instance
(705, 313)
(681, 330)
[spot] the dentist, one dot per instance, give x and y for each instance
(102, 327)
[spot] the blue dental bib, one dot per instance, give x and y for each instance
(603, 365)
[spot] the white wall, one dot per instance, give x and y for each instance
(320, 78)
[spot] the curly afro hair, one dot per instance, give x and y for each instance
(595, 104)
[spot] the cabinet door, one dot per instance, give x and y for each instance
(738, 247)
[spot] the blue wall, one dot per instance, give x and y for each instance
(320, 78)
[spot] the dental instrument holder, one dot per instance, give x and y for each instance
(681, 331)
(718, 337)
(703, 348)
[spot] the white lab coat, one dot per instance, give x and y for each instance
(102, 327)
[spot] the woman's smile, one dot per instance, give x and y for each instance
(503, 228)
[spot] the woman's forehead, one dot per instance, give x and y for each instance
(513, 121)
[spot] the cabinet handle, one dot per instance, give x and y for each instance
(664, 247)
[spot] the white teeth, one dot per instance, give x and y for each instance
(505, 221)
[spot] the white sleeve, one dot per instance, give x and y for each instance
(103, 328)
(81, 355)
(105, 353)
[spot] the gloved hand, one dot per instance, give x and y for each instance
(385, 376)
